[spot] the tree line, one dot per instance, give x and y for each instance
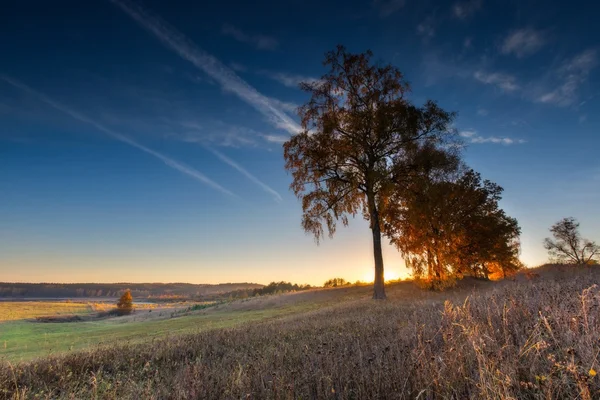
(155, 291)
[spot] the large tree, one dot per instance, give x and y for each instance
(568, 246)
(359, 137)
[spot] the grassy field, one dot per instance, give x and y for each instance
(22, 339)
(13, 310)
(536, 338)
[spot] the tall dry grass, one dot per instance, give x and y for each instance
(528, 339)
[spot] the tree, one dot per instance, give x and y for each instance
(125, 303)
(359, 134)
(448, 223)
(336, 282)
(568, 246)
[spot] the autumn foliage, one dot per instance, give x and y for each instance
(366, 149)
(451, 226)
(360, 140)
(125, 303)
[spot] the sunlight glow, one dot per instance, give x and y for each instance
(389, 275)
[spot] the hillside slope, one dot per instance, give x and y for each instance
(527, 339)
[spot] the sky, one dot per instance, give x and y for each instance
(141, 142)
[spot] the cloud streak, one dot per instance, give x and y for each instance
(523, 42)
(189, 171)
(247, 174)
(388, 7)
(572, 75)
(472, 136)
(465, 9)
(503, 81)
(426, 29)
(225, 76)
(261, 42)
(289, 80)
(278, 139)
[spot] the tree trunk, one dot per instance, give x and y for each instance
(378, 286)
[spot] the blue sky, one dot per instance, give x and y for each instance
(142, 141)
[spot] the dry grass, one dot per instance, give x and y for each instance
(528, 339)
(18, 310)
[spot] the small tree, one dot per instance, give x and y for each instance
(125, 303)
(567, 246)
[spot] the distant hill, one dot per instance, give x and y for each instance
(110, 290)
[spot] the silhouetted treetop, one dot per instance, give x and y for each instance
(568, 246)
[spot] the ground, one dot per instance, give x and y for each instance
(534, 337)
(24, 337)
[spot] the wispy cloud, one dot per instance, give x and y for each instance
(225, 76)
(503, 81)
(465, 9)
(261, 42)
(571, 75)
(279, 139)
(468, 43)
(217, 134)
(426, 29)
(287, 106)
(472, 136)
(482, 112)
(523, 42)
(247, 174)
(437, 66)
(289, 80)
(496, 140)
(187, 170)
(388, 7)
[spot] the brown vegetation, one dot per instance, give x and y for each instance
(523, 339)
(125, 303)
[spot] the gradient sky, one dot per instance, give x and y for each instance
(142, 141)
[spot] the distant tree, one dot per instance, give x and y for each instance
(568, 246)
(125, 303)
(336, 282)
(279, 287)
(359, 134)
(448, 224)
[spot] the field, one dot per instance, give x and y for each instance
(535, 338)
(23, 338)
(12, 311)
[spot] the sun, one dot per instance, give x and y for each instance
(389, 275)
